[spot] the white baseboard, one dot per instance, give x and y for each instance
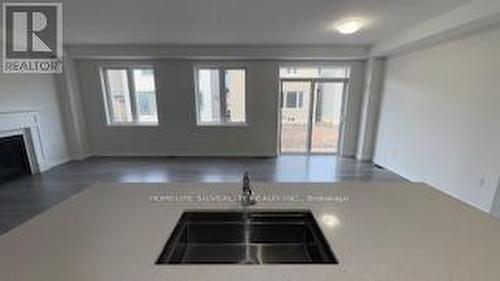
(49, 165)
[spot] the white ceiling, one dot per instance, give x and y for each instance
(240, 21)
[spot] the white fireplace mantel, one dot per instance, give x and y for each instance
(26, 123)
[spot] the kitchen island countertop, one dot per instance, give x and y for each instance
(378, 231)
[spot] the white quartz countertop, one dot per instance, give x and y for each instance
(379, 232)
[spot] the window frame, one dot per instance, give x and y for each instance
(221, 68)
(132, 92)
(348, 66)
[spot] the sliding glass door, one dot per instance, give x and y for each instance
(311, 116)
(295, 117)
(327, 113)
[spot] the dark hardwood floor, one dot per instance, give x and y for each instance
(26, 197)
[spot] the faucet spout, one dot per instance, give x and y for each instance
(247, 197)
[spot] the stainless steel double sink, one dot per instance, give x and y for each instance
(252, 237)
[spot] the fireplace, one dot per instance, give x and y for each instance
(14, 160)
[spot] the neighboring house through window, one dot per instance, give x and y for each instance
(130, 96)
(294, 99)
(220, 96)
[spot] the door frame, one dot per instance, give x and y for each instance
(312, 104)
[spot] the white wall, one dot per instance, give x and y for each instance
(440, 117)
(177, 134)
(495, 208)
(37, 92)
(370, 109)
(72, 109)
(353, 105)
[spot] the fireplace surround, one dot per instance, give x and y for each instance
(26, 124)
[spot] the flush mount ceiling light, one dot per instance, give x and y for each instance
(349, 26)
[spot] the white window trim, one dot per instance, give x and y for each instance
(314, 64)
(222, 84)
(131, 87)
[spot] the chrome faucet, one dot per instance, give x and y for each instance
(247, 198)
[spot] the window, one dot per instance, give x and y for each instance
(144, 83)
(130, 96)
(316, 72)
(220, 96)
(291, 70)
(293, 99)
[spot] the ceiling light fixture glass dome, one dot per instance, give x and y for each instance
(350, 25)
